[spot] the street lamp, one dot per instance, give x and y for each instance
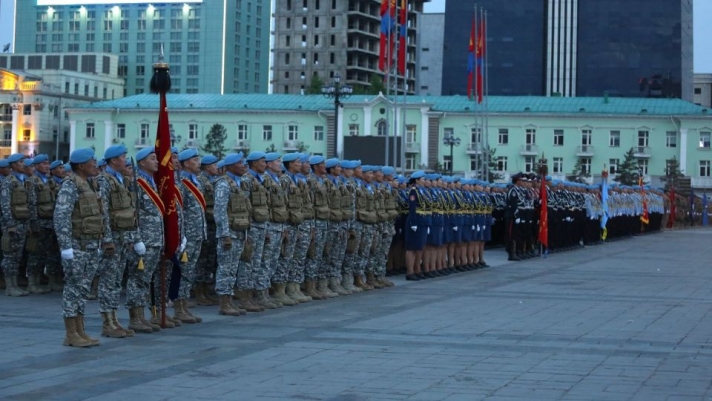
(451, 141)
(175, 138)
(336, 91)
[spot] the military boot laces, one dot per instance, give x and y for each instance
(334, 286)
(79, 321)
(108, 329)
(115, 320)
(72, 338)
(226, 308)
(323, 287)
(136, 323)
(281, 296)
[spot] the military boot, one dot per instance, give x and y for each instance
(79, 321)
(154, 327)
(262, 300)
(209, 292)
(384, 281)
(197, 318)
(136, 323)
(298, 290)
(336, 287)
(115, 321)
(347, 282)
(281, 297)
(226, 307)
(270, 299)
(55, 282)
(311, 291)
(294, 293)
(12, 289)
(94, 292)
(180, 312)
(156, 320)
(108, 329)
(358, 282)
(323, 287)
(371, 280)
(71, 337)
(35, 285)
(200, 296)
(243, 301)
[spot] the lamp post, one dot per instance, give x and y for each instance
(451, 141)
(336, 91)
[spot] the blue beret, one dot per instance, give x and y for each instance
(376, 168)
(388, 170)
(548, 178)
(272, 156)
(418, 174)
(27, 162)
(232, 158)
(143, 153)
(349, 164)
(357, 163)
(304, 158)
(187, 154)
(101, 163)
(128, 163)
(15, 157)
(54, 164)
(256, 156)
(67, 167)
(175, 150)
(40, 158)
(366, 168)
(4, 163)
(316, 160)
(208, 159)
(221, 164)
(115, 151)
(290, 157)
(333, 162)
(80, 156)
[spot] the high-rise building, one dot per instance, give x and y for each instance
(328, 37)
(575, 47)
(429, 75)
(212, 46)
(703, 90)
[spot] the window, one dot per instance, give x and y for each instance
(704, 168)
(614, 139)
(121, 131)
(503, 138)
(27, 110)
(266, 132)
(353, 129)
(90, 130)
(671, 139)
(410, 133)
(530, 137)
(558, 137)
(643, 138)
(474, 163)
(447, 163)
(558, 165)
(410, 161)
(698, 91)
(319, 133)
(643, 166)
(586, 165)
(476, 135)
(193, 131)
(382, 128)
(705, 140)
(241, 132)
(144, 131)
(501, 163)
(613, 166)
(586, 137)
(292, 132)
(26, 136)
(529, 164)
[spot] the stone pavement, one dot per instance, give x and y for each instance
(625, 320)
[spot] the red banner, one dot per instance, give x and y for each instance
(165, 181)
(543, 215)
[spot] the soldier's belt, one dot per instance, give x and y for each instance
(423, 212)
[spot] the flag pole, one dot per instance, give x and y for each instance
(486, 88)
(394, 71)
(405, 89)
(388, 81)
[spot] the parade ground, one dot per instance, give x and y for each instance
(627, 320)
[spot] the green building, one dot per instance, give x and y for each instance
(590, 132)
(212, 46)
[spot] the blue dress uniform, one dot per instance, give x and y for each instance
(416, 227)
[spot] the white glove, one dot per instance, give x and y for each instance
(478, 227)
(428, 232)
(454, 228)
(473, 227)
(140, 248)
(414, 228)
(68, 254)
(517, 221)
(183, 243)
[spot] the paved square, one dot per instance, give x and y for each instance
(627, 320)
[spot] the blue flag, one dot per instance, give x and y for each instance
(704, 210)
(604, 205)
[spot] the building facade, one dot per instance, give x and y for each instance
(597, 131)
(328, 37)
(33, 99)
(212, 46)
(576, 47)
(429, 74)
(703, 90)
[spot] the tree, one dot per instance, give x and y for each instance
(580, 172)
(439, 168)
(215, 141)
(491, 173)
(271, 148)
(302, 148)
(672, 173)
(628, 170)
(315, 86)
(377, 85)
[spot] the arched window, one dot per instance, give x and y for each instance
(381, 128)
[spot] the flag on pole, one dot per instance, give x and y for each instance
(604, 205)
(471, 60)
(403, 37)
(645, 218)
(388, 21)
(705, 218)
(543, 214)
(480, 56)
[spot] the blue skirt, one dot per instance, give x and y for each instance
(415, 240)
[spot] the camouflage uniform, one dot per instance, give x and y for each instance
(350, 265)
(225, 188)
(16, 217)
(275, 229)
(205, 270)
(157, 290)
(79, 225)
(43, 251)
(381, 233)
(388, 226)
(297, 263)
(321, 225)
(249, 271)
(288, 182)
(193, 229)
(338, 230)
(367, 215)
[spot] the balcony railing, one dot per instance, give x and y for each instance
(474, 149)
(241, 144)
(529, 149)
(5, 143)
(701, 182)
(641, 151)
(193, 143)
(292, 145)
(584, 150)
(5, 117)
(143, 142)
(412, 147)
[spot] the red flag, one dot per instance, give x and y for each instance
(480, 56)
(543, 215)
(165, 181)
(471, 60)
(403, 37)
(388, 21)
(644, 218)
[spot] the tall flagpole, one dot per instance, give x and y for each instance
(388, 82)
(486, 89)
(394, 103)
(405, 98)
(476, 108)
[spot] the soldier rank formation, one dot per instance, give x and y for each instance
(264, 230)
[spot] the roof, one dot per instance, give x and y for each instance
(450, 104)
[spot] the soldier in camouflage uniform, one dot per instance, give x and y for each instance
(305, 234)
(317, 181)
(205, 270)
(142, 264)
(251, 266)
(367, 214)
(390, 196)
(120, 216)
(79, 225)
(277, 200)
(42, 194)
(14, 203)
(284, 291)
(232, 220)
(4, 172)
(54, 262)
(340, 205)
(355, 228)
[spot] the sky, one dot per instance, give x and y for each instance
(702, 27)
